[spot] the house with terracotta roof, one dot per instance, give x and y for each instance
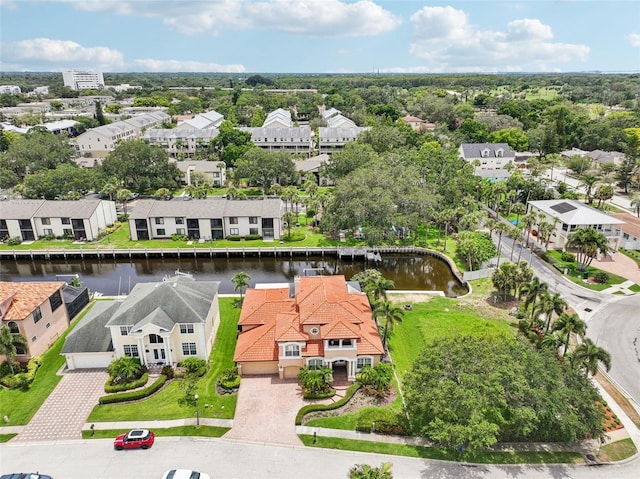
(630, 231)
(36, 310)
(316, 321)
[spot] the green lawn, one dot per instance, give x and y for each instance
(578, 277)
(166, 404)
(617, 451)
(7, 437)
(207, 431)
(480, 457)
(20, 406)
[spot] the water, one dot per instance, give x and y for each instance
(410, 272)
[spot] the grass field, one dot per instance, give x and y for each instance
(206, 431)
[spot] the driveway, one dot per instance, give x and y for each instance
(620, 264)
(66, 409)
(266, 410)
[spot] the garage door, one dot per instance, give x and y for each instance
(89, 361)
(265, 367)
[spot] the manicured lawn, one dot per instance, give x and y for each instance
(481, 457)
(166, 404)
(20, 406)
(577, 276)
(634, 255)
(617, 451)
(207, 431)
(7, 437)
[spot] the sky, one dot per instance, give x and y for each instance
(320, 36)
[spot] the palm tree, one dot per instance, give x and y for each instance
(533, 291)
(567, 324)
(514, 232)
(545, 230)
(588, 241)
(635, 203)
(550, 341)
(603, 193)
(240, 282)
(500, 228)
(124, 195)
(529, 220)
(9, 344)
(590, 355)
(126, 368)
(518, 209)
(365, 471)
(558, 305)
(390, 315)
(588, 181)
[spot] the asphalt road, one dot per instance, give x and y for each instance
(222, 458)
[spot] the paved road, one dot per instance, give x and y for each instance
(227, 459)
(613, 321)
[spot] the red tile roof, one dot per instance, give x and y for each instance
(632, 225)
(323, 301)
(25, 297)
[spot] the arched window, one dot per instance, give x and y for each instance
(13, 327)
(155, 339)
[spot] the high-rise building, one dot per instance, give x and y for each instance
(83, 79)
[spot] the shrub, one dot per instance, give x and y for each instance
(329, 393)
(168, 371)
(16, 240)
(125, 369)
(110, 387)
(293, 237)
(567, 257)
(32, 367)
(17, 381)
(601, 277)
(233, 237)
(376, 380)
(194, 366)
(382, 421)
(5, 370)
(229, 379)
(252, 237)
(134, 395)
(177, 237)
(309, 408)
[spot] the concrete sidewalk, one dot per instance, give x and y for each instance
(126, 425)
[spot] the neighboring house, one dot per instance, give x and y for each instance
(203, 121)
(32, 219)
(180, 143)
(215, 171)
(278, 119)
(630, 231)
(159, 323)
(99, 142)
(489, 159)
(289, 139)
(332, 139)
(313, 166)
(570, 215)
(207, 219)
(414, 122)
(10, 90)
(36, 310)
(83, 79)
(600, 157)
(317, 321)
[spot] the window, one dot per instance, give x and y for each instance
(33, 339)
(46, 221)
(186, 329)
(124, 330)
(233, 220)
(48, 325)
(334, 343)
(131, 350)
(179, 221)
(314, 363)
(234, 231)
(67, 232)
(159, 221)
(155, 339)
(20, 351)
(180, 231)
(13, 327)
(55, 300)
(161, 232)
(66, 221)
(189, 349)
(362, 362)
(37, 315)
(314, 330)
(253, 220)
(292, 351)
(48, 232)
(346, 342)
(253, 231)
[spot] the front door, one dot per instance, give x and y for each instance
(158, 354)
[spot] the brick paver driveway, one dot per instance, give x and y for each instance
(66, 409)
(266, 410)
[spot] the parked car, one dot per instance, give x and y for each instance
(137, 438)
(25, 475)
(184, 474)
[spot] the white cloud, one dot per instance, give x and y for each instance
(634, 39)
(446, 41)
(52, 54)
(325, 18)
(148, 65)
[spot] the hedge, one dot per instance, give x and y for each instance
(387, 421)
(324, 395)
(109, 387)
(351, 390)
(134, 395)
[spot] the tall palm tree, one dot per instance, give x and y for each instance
(240, 282)
(514, 232)
(518, 209)
(500, 228)
(389, 314)
(590, 355)
(568, 324)
(588, 181)
(635, 203)
(124, 195)
(588, 241)
(558, 305)
(533, 291)
(9, 344)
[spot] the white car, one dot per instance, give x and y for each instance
(184, 474)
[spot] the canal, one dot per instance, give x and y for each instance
(112, 277)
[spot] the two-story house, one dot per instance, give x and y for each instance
(183, 143)
(36, 310)
(490, 160)
(317, 321)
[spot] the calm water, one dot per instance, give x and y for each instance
(119, 276)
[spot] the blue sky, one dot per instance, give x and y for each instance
(320, 36)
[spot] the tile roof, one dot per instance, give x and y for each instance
(325, 301)
(631, 225)
(25, 297)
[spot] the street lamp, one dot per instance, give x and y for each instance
(197, 412)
